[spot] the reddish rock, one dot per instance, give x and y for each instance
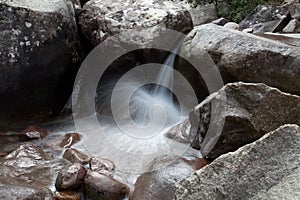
(101, 186)
(69, 140)
(71, 177)
(101, 165)
(34, 132)
(75, 156)
(67, 195)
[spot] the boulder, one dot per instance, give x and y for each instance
(239, 113)
(137, 23)
(262, 14)
(70, 178)
(203, 14)
(38, 57)
(292, 27)
(221, 21)
(265, 169)
(243, 57)
(159, 184)
(232, 25)
(100, 186)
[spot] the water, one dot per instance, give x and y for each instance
(143, 108)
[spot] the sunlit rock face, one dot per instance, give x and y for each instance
(39, 55)
(265, 169)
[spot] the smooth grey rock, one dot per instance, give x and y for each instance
(265, 169)
(221, 21)
(232, 25)
(238, 114)
(265, 27)
(203, 14)
(100, 186)
(70, 178)
(159, 184)
(39, 57)
(243, 57)
(292, 27)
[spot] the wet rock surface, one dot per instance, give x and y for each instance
(159, 184)
(265, 169)
(71, 177)
(38, 45)
(29, 165)
(15, 192)
(67, 195)
(101, 186)
(75, 156)
(240, 113)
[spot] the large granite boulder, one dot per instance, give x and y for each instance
(244, 57)
(101, 19)
(238, 114)
(38, 57)
(265, 169)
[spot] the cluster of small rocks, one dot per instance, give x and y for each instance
(95, 180)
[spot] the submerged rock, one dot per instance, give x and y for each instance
(100, 186)
(242, 113)
(265, 169)
(38, 59)
(244, 57)
(159, 184)
(70, 178)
